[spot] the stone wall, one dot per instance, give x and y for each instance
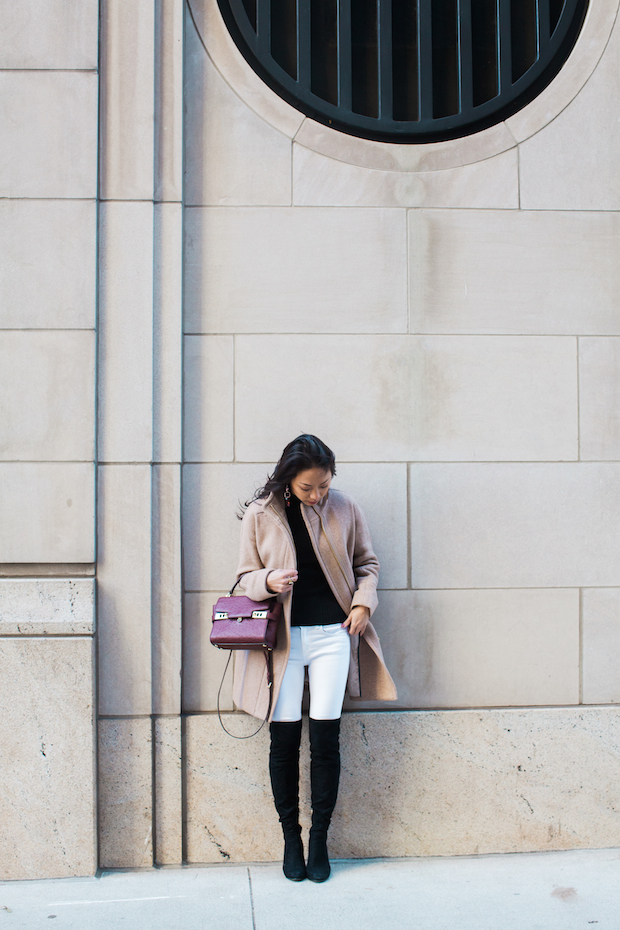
(445, 316)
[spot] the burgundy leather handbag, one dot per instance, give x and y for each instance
(241, 623)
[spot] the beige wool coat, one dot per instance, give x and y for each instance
(342, 545)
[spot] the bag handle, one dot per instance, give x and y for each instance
(268, 653)
(230, 593)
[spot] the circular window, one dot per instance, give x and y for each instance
(406, 70)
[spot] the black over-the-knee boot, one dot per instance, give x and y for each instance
(324, 778)
(284, 772)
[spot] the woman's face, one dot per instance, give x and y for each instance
(311, 485)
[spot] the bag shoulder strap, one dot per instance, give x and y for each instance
(268, 653)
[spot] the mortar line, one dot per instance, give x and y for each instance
(581, 645)
(408, 270)
(98, 243)
(396, 334)
(154, 789)
(409, 542)
(578, 405)
(184, 843)
(182, 349)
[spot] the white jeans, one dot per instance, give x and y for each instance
(326, 651)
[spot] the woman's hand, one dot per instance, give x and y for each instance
(281, 580)
(357, 621)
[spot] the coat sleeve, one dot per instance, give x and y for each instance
(254, 581)
(365, 565)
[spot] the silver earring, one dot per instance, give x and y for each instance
(287, 496)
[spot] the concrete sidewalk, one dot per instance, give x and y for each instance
(574, 890)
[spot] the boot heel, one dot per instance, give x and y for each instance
(294, 866)
(318, 868)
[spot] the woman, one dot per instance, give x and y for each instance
(311, 547)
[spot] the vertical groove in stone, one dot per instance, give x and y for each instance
(184, 805)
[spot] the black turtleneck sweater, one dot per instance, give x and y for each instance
(314, 602)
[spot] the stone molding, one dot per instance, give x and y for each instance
(47, 607)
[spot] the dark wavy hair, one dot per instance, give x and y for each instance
(305, 452)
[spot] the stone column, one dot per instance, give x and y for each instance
(139, 433)
(48, 175)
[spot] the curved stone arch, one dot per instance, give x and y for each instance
(386, 156)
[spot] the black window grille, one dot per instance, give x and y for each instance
(406, 70)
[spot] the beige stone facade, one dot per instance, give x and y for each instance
(192, 273)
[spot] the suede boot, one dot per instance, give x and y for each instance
(284, 772)
(324, 778)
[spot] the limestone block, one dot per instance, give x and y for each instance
(124, 589)
(381, 492)
(514, 272)
(203, 664)
(168, 791)
(47, 767)
(126, 333)
(209, 398)
(48, 275)
(488, 648)
(212, 496)
(49, 34)
(169, 99)
(166, 589)
(49, 139)
(125, 793)
(515, 525)
(37, 606)
(425, 398)
(420, 784)
(214, 772)
(47, 512)
(295, 270)
(127, 99)
(571, 164)
(47, 384)
(320, 181)
(599, 398)
(232, 155)
(167, 331)
(601, 645)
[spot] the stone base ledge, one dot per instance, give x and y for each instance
(419, 783)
